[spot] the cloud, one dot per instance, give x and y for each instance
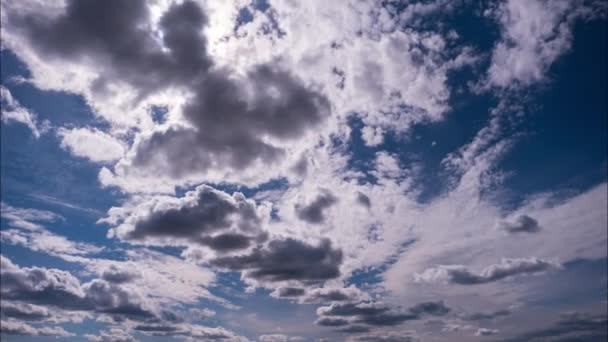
(533, 35)
(13, 111)
(354, 329)
(334, 294)
(47, 242)
(522, 224)
(486, 332)
(388, 336)
(288, 292)
(114, 274)
(25, 218)
(479, 316)
(313, 212)
(111, 335)
(372, 136)
(364, 200)
(573, 326)
(28, 312)
(203, 217)
(10, 327)
(190, 332)
(231, 121)
(326, 321)
(60, 289)
(92, 144)
(377, 313)
(287, 259)
(202, 313)
(279, 338)
(458, 274)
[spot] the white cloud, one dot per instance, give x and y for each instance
(12, 110)
(533, 35)
(92, 144)
(372, 136)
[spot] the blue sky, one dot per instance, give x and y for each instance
(274, 171)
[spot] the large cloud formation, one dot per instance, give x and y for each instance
(204, 216)
(287, 259)
(232, 120)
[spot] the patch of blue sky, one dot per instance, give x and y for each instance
(566, 140)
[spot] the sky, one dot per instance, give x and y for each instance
(277, 170)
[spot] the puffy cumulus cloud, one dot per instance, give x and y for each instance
(522, 224)
(533, 35)
(111, 335)
(10, 327)
(279, 338)
(124, 274)
(286, 260)
(92, 144)
(40, 285)
(313, 212)
(230, 121)
(60, 289)
(203, 217)
(335, 294)
(369, 61)
(13, 111)
(457, 274)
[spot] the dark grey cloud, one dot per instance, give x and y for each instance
(313, 212)
(59, 289)
(117, 275)
(380, 314)
(40, 286)
(290, 292)
(288, 259)
(523, 224)
(499, 271)
(480, 316)
(116, 36)
(430, 308)
(331, 321)
(232, 115)
(575, 326)
(233, 219)
(458, 274)
(364, 200)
